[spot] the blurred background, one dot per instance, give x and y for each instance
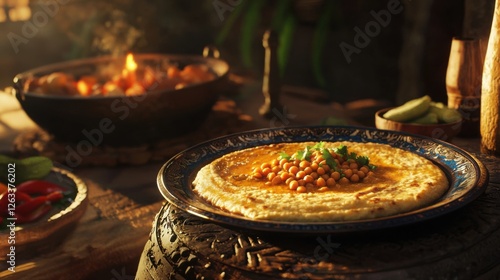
(350, 49)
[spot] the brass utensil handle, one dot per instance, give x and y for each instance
(18, 88)
(211, 51)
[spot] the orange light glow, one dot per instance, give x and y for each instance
(18, 10)
(83, 88)
(130, 64)
(128, 72)
(85, 84)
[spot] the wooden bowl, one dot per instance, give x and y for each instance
(445, 131)
(122, 120)
(42, 236)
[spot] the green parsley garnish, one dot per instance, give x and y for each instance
(342, 151)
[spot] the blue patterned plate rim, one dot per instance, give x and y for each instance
(468, 176)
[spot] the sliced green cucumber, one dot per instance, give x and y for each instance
(410, 110)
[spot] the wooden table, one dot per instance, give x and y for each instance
(124, 199)
(123, 202)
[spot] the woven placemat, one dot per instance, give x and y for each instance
(225, 118)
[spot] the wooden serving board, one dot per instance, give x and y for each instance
(123, 201)
(106, 243)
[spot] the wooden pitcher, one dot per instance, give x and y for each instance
(490, 95)
(463, 82)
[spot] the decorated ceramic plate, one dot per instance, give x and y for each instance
(467, 176)
(41, 235)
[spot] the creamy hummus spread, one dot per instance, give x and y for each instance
(398, 181)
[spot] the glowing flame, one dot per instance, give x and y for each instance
(128, 72)
(85, 84)
(130, 64)
(83, 88)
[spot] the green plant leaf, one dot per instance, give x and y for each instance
(285, 155)
(235, 14)
(329, 158)
(319, 40)
(249, 26)
(341, 150)
(284, 24)
(286, 42)
(362, 160)
(29, 168)
(280, 14)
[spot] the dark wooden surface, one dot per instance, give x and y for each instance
(123, 201)
(123, 197)
(461, 245)
(109, 240)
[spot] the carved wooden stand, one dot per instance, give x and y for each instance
(461, 245)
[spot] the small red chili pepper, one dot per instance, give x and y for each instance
(4, 203)
(33, 216)
(39, 187)
(20, 199)
(55, 196)
(33, 203)
(3, 187)
(29, 206)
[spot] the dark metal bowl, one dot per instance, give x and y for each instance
(123, 120)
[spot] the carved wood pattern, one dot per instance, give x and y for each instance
(460, 245)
